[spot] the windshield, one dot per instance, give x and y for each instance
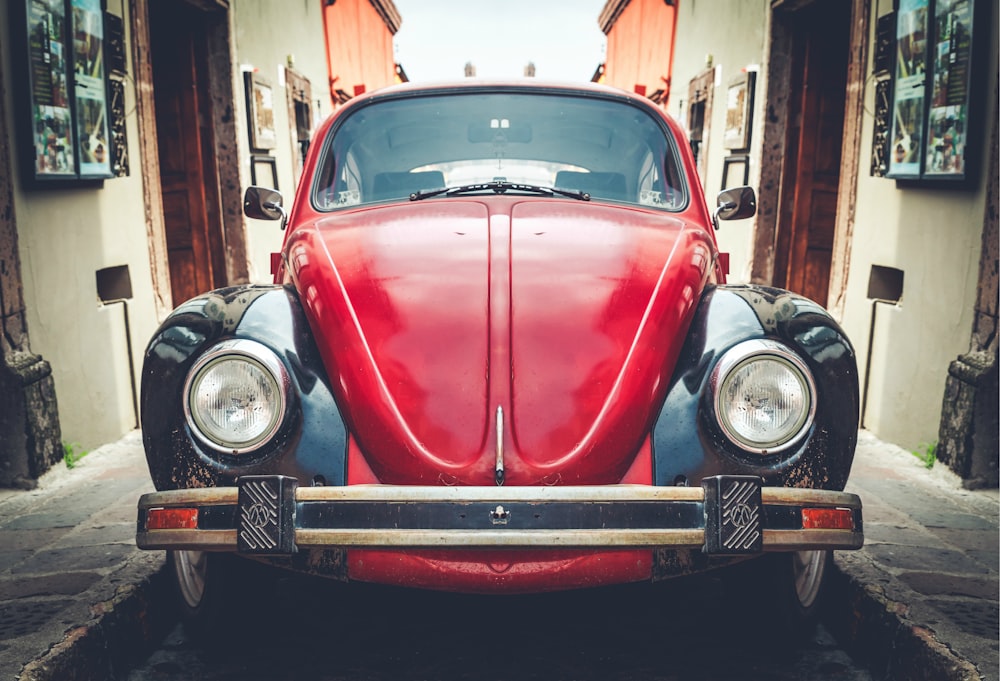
(402, 149)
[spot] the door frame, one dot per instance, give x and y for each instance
(227, 157)
(773, 155)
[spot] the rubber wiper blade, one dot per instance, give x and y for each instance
(500, 187)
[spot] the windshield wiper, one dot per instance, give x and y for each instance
(499, 187)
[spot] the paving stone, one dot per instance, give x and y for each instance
(886, 533)
(80, 558)
(19, 619)
(66, 584)
(16, 540)
(932, 516)
(65, 517)
(977, 618)
(921, 558)
(935, 584)
(10, 558)
(108, 534)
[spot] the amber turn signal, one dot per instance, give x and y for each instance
(172, 519)
(827, 519)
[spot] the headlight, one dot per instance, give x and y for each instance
(236, 395)
(764, 396)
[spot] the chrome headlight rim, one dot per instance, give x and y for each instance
(264, 359)
(739, 356)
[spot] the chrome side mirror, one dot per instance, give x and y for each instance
(735, 204)
(261, 203)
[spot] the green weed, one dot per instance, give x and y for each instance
(927, 453)
(72, 453)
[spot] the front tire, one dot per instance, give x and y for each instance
(213, 592)
(786, 590)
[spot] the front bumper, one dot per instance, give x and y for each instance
(271, 515)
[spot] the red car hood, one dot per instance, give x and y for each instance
(565, 317)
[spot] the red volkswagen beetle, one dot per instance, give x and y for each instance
(500, 355)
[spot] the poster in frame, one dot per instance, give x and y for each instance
(739, 112)
(264, 171)
(260, 112)
(908, 108)
(90, 90)
(46, 90)
(949, 103)
(735, 171)
(936, 104)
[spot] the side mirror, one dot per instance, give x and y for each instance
(735, 204)
(261, 203)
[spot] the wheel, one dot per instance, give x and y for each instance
(214, 593)
(785, 590)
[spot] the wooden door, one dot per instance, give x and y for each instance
(811, 174)
(189, 183)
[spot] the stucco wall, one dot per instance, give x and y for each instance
(65, 235)
(934, 236)
(267, 35)
(728, 36)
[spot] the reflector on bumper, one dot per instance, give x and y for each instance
(614, 516)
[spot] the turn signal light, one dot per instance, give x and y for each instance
(827, 519)
(172, 519)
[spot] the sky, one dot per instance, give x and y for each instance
(438, 37)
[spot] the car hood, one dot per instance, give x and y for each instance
(545, 330)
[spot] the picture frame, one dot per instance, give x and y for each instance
(260, 112)
(906, 129)
(264, 171)
(43, 36)
(63, 91)
(90, 87)
(739, 112)
(731, 165)
(935, 133)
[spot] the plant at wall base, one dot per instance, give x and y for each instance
(927, 453)
(72, 453)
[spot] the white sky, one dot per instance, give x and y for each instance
(438, 37)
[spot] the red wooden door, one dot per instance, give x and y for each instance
(810, 178)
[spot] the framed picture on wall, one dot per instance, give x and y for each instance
(907, 125)
(63, 93)
(949, 102)
(90, 89)
(739, 112)
(735, 171)
(260, 112)
(935, 131)
(49, 60)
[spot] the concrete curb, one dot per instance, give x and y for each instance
(877, 631)
(123, 631)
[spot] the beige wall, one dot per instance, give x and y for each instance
(730, 35)
(267, 34)
(64, 236)
(934, 236)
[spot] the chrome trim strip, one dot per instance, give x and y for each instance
(499, 472)
(198, 540)
(800, 540)
(217, 496)
(499, 538)
(774, 540)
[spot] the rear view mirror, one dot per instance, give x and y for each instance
(736, 204)
(261, 203)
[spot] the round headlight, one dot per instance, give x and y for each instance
(236, 396)
(765, 397)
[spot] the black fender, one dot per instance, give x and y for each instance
(688, 444)
(311, 444)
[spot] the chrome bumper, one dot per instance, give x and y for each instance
(271, 515)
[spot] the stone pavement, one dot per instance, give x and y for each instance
(919, 601)
(79, 602)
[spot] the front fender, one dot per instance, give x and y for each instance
(688, 444)
(312, 442)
